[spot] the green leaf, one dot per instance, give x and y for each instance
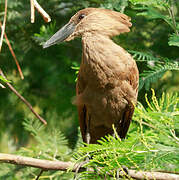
(151, 142)
(4, 80)
(119, 5)
(143, 56)
(152, 13)
(174, 40)
(45, 33)
(156, 72)
(160, 4)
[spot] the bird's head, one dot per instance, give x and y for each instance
(92, 20)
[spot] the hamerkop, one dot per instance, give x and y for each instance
(107, 85)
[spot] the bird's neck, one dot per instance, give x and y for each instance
(100, 49)
(95, 45)
(101, 59)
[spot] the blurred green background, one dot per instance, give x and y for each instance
(49, 83)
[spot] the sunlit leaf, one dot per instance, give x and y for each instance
(4, 80)
(174, 40)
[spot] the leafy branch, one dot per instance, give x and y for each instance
(46, 165)
(156, 72)
(35, 5)
(143, 56)
(3, 78)
(157, 9)
(151, 144)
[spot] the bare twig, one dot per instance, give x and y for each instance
(63, 166)
(172, 15)
(172, 131)
(35, 4)
(37, 163)
(32, 7)
(152, 175)
(23, 99)
(45, 16)
(4, 25)
(2, 86)
(41, 171)
(13, 54)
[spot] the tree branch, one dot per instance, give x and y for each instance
(22, 98)
(2, 86)
(34, 4)
(37, 163)
(32, 8)
(13, 54)
(63, 166)
(45, 16)
(4, 25)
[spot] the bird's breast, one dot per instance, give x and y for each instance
(106, 66)
(104, 63)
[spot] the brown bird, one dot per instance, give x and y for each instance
(107, 85)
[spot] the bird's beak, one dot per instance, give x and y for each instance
(61, 35)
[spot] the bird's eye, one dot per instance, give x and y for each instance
(81, 16)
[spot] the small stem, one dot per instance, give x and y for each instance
(4, 25)
(13, 54)
(22, 99)
(32, 7)
(172, 131)
(45, 16)
(171, 13)
(2, 86)
(39, 174)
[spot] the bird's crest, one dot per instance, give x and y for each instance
(102, 21)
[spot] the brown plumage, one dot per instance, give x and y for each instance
(107, 85)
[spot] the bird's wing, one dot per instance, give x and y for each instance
(82, 109)
(133, 77)
(133, 80)
(126, 119)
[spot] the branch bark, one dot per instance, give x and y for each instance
(13, 54)
(63, 166)
(32, 8)
(22, 99)
(45, 16)
(4, 25)
(37, 163)
(2, 86)
(36, 5)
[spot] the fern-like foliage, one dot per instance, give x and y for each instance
(45, 33)
(160, 9)
(151, 144)
(119, 5)
(143, 56)
(157, 67)
(156, 72)
(155, 3)
(51, 145)
(174, 40)
(46, 144)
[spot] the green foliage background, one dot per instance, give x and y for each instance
(49, 83)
